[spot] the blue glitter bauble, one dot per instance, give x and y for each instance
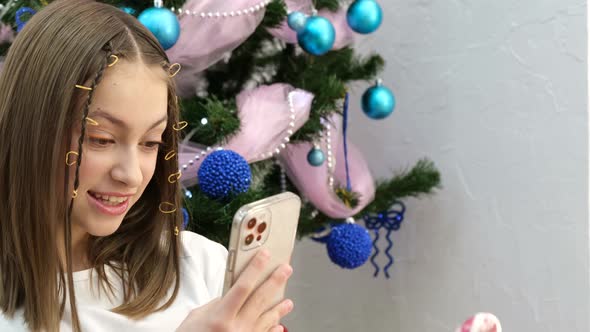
(163, 24)
(316, 157)
(296, 21)
(318, 35)
(364, 16)
(224, 173)
(378, 102)
(349, 245)
(185, 218)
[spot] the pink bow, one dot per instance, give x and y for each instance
(268, 115)
(312, 181)
(204, 40)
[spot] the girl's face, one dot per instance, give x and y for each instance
(119, 154)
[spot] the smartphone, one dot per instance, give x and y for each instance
(270, 223)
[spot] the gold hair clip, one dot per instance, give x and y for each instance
(75, 194)
(167, 204)
(83, 87)
(68, 158)
(180, 126)
(91, 121)
(172, 178)
(170, 155)
(176, 230)
(114, 61)
(174, 69)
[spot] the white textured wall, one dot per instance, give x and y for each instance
(495, 93)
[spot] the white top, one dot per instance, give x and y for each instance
(202, 269)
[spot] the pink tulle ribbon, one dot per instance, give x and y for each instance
(312, 181)
(268, 115)
(205, 40)
(481, 322)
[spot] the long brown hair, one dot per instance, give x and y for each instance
(70, 42)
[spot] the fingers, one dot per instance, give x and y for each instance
(244, 286)
(270, 319)
(278, 328)
(268, 294)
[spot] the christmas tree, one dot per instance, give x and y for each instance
(264, 92)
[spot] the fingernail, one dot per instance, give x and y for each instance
(289, 305)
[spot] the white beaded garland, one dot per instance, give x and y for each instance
(259, 6)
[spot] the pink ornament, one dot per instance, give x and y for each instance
(481, 322)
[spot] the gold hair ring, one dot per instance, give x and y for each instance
(176, 230)
(167, 204)
(172, 178)
(174, 69)
(170, 155)
(180, 126)
(75, 194)
(83, 87)
(91, 121)
(68, 158)
(114, 61)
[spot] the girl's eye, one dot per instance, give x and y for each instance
(153, 145)
(100, 142)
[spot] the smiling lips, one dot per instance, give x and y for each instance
(110, 203)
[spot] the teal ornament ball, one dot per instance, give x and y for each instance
(378, 102)
(318, 35)
(296, 21)
(316, 157)
(129, 10)
(364, 16)
(163, 24)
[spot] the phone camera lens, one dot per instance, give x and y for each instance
(251, 223)
(249, 239)
(262, 227)
(259, 237)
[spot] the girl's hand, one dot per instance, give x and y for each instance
(243, 308)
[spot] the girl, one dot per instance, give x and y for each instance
(89, 219)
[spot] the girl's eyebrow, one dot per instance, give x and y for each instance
(118, 122)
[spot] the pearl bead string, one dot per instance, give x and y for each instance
(286, 139)
(201, 155)
(248, 11)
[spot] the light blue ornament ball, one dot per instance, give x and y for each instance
(296, 21)
(318, 35)
(364, 16)
(163, 24)
(315, 157)
(378, 102)
(128, 10)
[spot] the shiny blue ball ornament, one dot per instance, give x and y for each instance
(163, 24)
(315, 157)
(378, 102)
(364, 16)
(129, 10)
(318, 35)
(296, 21)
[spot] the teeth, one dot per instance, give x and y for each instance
(110, 200)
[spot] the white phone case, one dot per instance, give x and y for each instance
(270, 223)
